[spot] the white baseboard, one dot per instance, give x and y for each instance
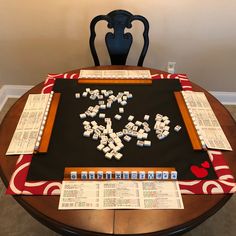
(226, 98)
(16, 91)
(12, 91)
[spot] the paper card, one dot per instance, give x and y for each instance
(205, 121)
(26, 134)
(115, 74)
(120, 195)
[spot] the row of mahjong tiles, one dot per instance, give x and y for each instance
(69, 146)
(133, 175)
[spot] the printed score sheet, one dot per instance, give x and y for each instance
(120, 195)
(27, 130)
(205, 121)
(115, 74)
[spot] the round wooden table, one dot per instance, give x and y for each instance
(99, 222)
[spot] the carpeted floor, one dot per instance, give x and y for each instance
(15, 221)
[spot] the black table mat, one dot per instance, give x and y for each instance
(68, 147)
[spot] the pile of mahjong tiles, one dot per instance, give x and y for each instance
(111, 142)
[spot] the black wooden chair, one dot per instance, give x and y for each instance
(119, 42)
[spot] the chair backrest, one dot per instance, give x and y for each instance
(119, 42)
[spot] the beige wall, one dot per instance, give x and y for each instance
(37, 37)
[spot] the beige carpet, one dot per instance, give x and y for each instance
(15, 221)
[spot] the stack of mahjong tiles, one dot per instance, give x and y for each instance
(138, 130)
(112, 142)
(162, 127)
(106, 99)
